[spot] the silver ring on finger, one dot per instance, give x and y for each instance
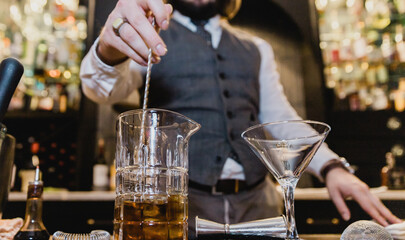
(117, 24)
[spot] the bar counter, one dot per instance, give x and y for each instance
(82, 196)
(316, 216)
(300, 194)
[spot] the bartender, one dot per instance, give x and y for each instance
(226, 80)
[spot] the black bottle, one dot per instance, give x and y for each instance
(33, 227)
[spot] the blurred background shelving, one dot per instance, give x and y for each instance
(48, 114)
(363, 55)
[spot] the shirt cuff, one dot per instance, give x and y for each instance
(107, 75)
(323, 156)
(105, 67)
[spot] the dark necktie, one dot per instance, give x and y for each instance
(201, 31)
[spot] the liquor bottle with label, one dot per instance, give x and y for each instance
(33, 228)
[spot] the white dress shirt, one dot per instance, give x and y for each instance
(108, 84)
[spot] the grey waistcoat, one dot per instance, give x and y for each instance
(217, 88)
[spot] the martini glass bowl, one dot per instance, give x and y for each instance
(286, 148)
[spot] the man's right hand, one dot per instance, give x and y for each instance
(137, 34)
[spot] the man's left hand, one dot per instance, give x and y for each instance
(342, 184)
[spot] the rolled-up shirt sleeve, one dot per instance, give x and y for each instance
(107, 84)
(274, 105)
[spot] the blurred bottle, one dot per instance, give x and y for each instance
(386, 170)
(392, 175)
(101, 181)
(113, 172)
(62, 99)
(399, 100)
(399, 43)
(33, 228)
(40, 58)
(27, 171)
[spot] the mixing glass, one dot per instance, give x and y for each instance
(152, 175)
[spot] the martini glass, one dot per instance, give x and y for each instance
(286, 148)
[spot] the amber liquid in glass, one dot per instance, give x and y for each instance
(152, 219)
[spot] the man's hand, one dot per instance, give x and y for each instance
(342, 184)
(136, 34)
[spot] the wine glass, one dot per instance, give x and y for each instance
(286, 148)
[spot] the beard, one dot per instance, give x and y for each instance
(194, 11)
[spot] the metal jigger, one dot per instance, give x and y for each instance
(272, 227)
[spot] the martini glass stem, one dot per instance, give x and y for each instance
(288, 189)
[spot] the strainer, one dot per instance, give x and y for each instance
(365, 230)
(93, 235)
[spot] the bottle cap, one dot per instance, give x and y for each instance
(37, 177)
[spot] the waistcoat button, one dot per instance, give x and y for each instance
(229, 114)
(226, 93)
(220, 57)
(222, 75)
